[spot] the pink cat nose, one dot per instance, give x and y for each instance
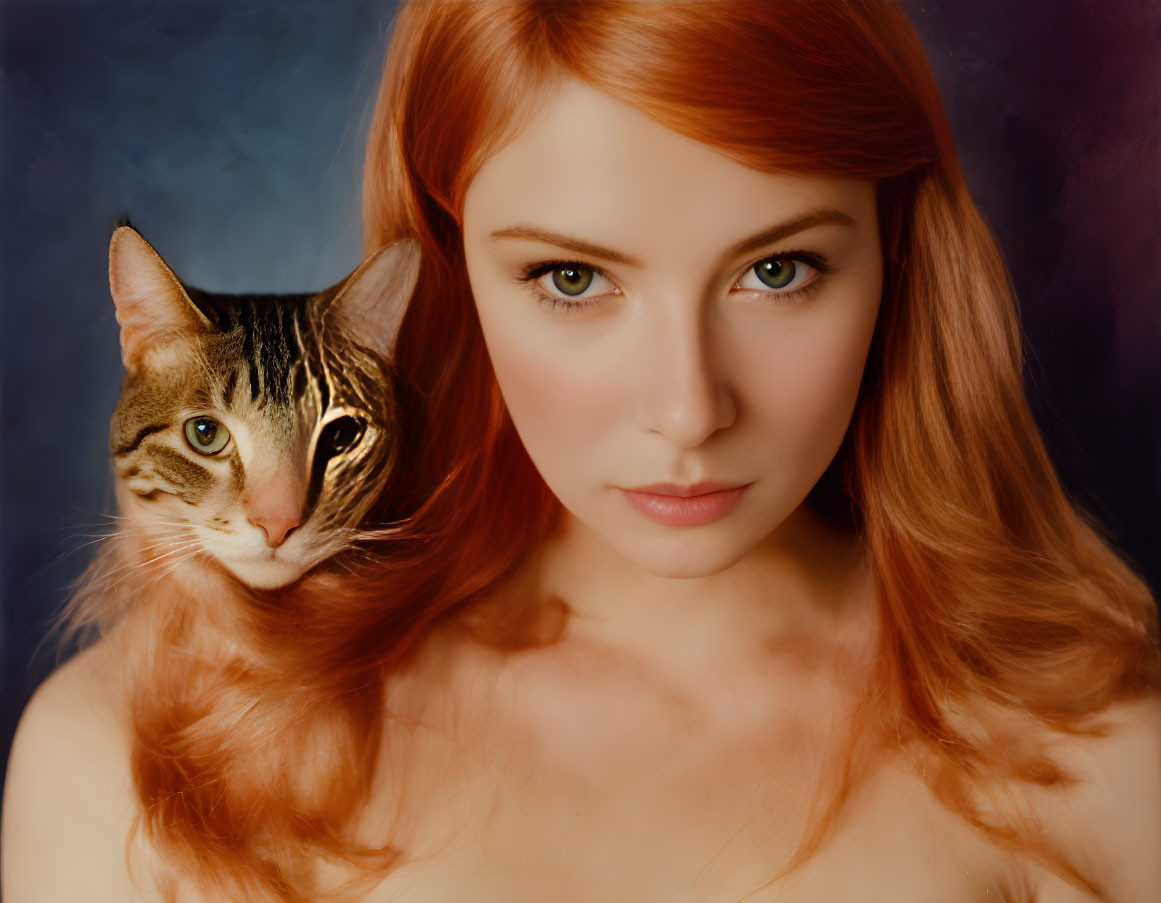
(274, 501)
(276, 527)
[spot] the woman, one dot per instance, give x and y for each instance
(680, 244)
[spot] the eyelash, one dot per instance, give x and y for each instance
(534, 271)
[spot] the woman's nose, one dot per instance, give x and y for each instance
(682, 388)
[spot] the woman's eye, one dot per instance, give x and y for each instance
(778, 273)
(785, 276)
(572, 280)
(569, 286)
(561, 283)
(206, 435)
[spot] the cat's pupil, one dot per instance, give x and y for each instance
(340, 435)
(206, 435)
(205, 430)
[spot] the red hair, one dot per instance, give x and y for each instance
(1002, 604)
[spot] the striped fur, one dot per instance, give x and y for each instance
(280, 372)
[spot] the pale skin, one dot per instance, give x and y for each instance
(662, 750)
(685, 367)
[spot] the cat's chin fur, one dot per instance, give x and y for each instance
(209, 570)
(264, 575)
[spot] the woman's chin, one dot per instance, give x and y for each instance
(682, 553)
(695, 565)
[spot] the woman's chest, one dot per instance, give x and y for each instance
(652, 803)
(527, 843)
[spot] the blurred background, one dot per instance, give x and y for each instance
(232, 132)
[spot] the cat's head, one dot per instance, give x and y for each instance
(257, 429)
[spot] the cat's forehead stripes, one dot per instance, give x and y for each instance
(266, 330)
(229, 386)
(309, 374)
(265, 351)
(302, 380)
(282, 352)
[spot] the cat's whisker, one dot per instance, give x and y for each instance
(176, 563)
(162, 542)
(57, 559)
(154, 540)
(130, 567)
(96, 514)
(136, 563)
(93, 539)
(155, 574)
(174, 551)
(107, 530)
(379, 533)
(141, 525)
(71, 527)
(176, 529)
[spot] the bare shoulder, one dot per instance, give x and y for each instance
(68, 805)
(1110, 820)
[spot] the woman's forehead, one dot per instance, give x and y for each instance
(589, 163)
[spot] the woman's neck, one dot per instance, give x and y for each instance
(807, 587)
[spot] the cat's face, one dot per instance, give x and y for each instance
(257, 429)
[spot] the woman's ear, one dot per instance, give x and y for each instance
(371, 301)
(150, 300)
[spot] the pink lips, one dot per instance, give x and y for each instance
(684, 506)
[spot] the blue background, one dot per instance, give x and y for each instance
(232, 132)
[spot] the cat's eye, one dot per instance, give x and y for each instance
(340, 435)
(206, 435)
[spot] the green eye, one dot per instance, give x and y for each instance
(205, 435)
(776, 272)
(572, 280)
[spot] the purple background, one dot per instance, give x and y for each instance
(232, 132)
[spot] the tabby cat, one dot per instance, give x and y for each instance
(254, 431)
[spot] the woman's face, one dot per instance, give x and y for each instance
(657, 312)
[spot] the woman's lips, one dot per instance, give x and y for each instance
(684, 511)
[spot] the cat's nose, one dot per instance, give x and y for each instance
(277, 528)
(274, 501)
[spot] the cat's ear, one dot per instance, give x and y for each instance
(150, 300)
(373, 299)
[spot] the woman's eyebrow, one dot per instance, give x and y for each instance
(819, 216)
(816, 217)
(564, 241)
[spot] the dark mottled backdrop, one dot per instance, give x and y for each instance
(232, 130)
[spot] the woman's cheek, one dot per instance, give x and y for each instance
(557, 400)
(800, 388)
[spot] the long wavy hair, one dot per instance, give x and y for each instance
(1002, 603)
